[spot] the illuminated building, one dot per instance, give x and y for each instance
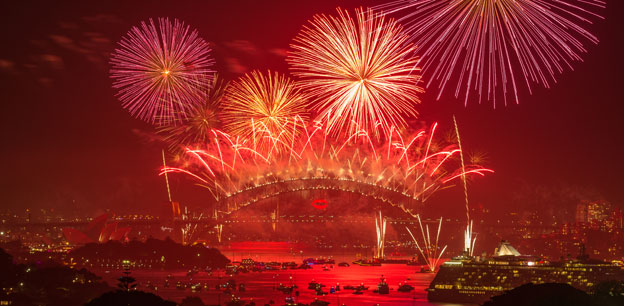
(98, 230)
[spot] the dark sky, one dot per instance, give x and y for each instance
(67, 143)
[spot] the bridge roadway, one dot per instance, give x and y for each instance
(225, 220)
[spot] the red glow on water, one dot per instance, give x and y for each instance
(262, 245)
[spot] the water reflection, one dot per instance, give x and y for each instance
(262, 286)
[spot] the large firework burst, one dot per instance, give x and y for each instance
(361, 72)
(262, 108)
(161, 72)
(196, 128)
(495, 46)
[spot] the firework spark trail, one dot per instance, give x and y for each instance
(463, 165)
(230, 168)
(428, 250)
(480, 172)
(166, 177)
(433, 128)
(270, 103)
(494, 46)
(189, 230)
(380, 227)
(360, 72)
(469, 240)
(161, 72)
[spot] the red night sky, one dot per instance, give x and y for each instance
(66, 141)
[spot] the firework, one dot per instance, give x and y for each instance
(262, 108)
(469, 239)
(361, 73)
(403, 171)
(189, 230)
(201, 119)
(495, 46)
(429, 250)
(380, 229)
(468, 233)
(160, 72)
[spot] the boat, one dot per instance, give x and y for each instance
(231, 284)
(363, 262)
(289, 265)
(235, 301)
(405, 288)
(304, 267)
(196, 287)
(286, 289)
(343, 264)
(382, 287)
(466, 279)
(319, 290)
(314, 285)
(319, 261)
(361, 287)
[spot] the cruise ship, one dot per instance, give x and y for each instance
(466, 279)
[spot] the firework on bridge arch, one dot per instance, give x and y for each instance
(404, 170)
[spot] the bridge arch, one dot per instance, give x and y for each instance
(245, 197)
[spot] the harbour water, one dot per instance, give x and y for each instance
(261, 287)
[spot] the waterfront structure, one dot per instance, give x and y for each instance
(466, 279)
